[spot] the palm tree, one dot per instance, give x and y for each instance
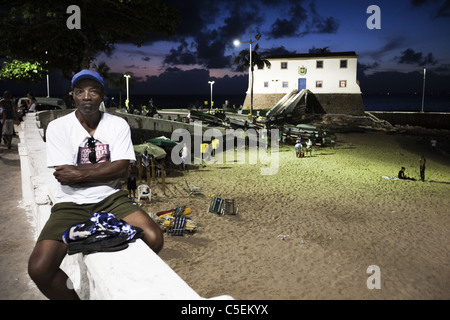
(258, 59)
(103, 69)
(114, 80)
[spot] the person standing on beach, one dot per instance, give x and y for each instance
(422, 167)
(298, 147)
(31, 103)
(9, 117)
(90, 152)
(132, 176)
(184, 156)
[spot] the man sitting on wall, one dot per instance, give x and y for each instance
(90, 152)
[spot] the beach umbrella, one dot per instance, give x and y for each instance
(163, 142)
(153, 150)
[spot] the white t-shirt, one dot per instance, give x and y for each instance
(32, 107)
(66, 141)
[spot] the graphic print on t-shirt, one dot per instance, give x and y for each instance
(102, 153)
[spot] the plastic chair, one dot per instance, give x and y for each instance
(144, 191)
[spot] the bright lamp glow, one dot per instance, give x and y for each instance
(236, 42)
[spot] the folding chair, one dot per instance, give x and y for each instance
(179, 227)
(223, 206)
(144, 191)
(192, 189)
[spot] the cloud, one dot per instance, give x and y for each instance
(209, 27)
(283, 28)
(442, 12)
(390, 45)
(193, 81)
(320, 24)
(409, 56)
(281, 50)
(301, 21)
(181, 56)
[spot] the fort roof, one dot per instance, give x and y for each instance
(313, 55)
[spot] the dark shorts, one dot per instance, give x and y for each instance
(66, 214)
(131, 184)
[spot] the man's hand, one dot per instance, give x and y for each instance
(67, 175)
(97, 173)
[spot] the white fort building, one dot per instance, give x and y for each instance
(321, 82)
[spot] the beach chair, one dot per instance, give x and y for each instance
(179, 227)
(223, 206)
(144, 191)
(192, 189)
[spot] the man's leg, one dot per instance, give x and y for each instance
(43, 268)
(153, 235)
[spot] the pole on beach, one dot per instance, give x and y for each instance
(127, 76)
(211, 83)
(250, 69)
(163, 179)
(423, 90)
(48, 80)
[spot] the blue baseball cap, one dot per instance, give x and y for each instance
(87, 74)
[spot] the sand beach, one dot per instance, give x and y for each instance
(312, 230)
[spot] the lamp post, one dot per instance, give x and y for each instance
(48, 80)
(237, 43)
(127, 76)
(423, 90)
(211, 83)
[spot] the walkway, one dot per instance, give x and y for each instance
(16, 232)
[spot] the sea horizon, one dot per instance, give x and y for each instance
(371, 102)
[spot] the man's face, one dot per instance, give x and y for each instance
(88, 95)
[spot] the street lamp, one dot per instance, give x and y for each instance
(423, 90)
(48, 81)
(127, 76)
(211, 84)
(237, 43)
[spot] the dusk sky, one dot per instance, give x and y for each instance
(414, 34)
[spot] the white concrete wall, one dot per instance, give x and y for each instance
(134, 273)
(330, 75)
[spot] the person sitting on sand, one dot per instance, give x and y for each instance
(402, 175)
